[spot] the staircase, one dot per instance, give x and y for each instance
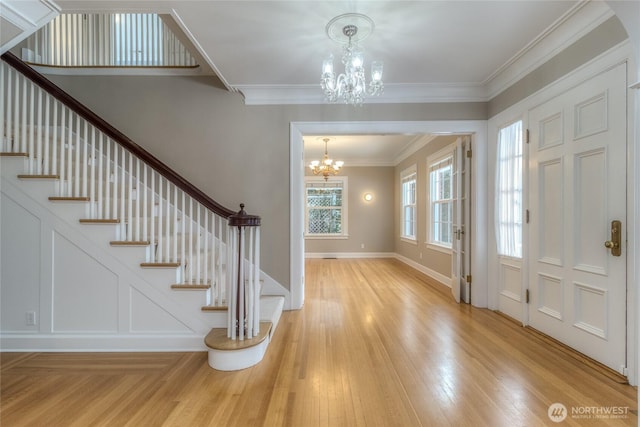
(191, 265)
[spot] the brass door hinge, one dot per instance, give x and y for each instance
(527, 216)
(469, 153)
(526, 296)
(468, 278)
(526, 136)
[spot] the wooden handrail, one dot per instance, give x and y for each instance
(116, 135)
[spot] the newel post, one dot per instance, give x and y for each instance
(244, 275)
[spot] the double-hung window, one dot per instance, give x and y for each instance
(508, 210)
(326, 207)
(440, 168)
(409, 212)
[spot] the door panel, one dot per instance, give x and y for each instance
(460, 260)
(577, 176)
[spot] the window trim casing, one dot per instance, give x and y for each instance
(433, 159)
(345, 203)
(406, 173)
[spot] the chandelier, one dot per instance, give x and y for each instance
(350, 86)
(326, 167)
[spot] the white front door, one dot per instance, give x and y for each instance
(577, 188)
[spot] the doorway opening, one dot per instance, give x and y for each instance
(476, 129)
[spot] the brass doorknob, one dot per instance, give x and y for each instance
(611, 245)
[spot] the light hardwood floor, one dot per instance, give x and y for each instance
(376, 344)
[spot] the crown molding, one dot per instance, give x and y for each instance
(393, 94)
(583, 18)
(28, 16)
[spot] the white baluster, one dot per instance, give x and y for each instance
(137, 190)
(198, 244)
(69, 154)
(160, 214)
(108, 182)
(3, 71)
(167, 223)
(205, 252)
(123, 199)
(101, 176)
(129, 199)
(85, 159)
(38, 126)
(9, 134)
(175, 223)
(145, 201)
(23, 127)
(191, 275)
(54, 140)
(92, 175)
(32, 128)
(152, 232)
(76, 166)
(47, 112)
(63, 147)
(183, 259)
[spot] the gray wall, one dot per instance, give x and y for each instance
(369, 223)
(432, 259)
(234, 153)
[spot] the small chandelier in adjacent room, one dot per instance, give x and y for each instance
(350, 87)
(326, 167)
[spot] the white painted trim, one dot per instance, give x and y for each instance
(393, 94)
(476, 128)
(349, 255)
(613, 57)
(576, 23)
(235, 360)
(441, 278)
(27, 17)
(271, 287)
(100, 342)
(119, 71)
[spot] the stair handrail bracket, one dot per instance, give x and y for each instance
(243, 283)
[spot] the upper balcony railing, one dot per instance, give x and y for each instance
(107, 40)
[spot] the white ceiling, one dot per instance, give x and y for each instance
(433, 51)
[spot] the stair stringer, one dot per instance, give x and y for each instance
(63, 220)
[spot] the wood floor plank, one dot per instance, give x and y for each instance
(377, 343)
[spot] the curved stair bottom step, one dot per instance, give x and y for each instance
(233, 355)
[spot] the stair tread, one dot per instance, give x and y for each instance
(217, 339)
(129, 243)
(191, 286)
(42, 176)
(69, 199)
(159, 264)
(215, 308)
(11, 154)
(99, 221)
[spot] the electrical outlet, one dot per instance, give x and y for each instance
(361, 245)
(31, 318)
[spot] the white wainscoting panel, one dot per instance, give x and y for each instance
(20, 275)
(85, 292)
(147, 316)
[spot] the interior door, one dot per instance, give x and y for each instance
(577, 188)
(460, 238)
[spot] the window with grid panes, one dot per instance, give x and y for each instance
(326, 202)
(441, 199)
(409, 179)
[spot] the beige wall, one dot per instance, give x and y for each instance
(233, 152)
(369, 223)
(420, 253)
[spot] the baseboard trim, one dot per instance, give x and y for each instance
(317, 255)
(441, 278)
(101, 343)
